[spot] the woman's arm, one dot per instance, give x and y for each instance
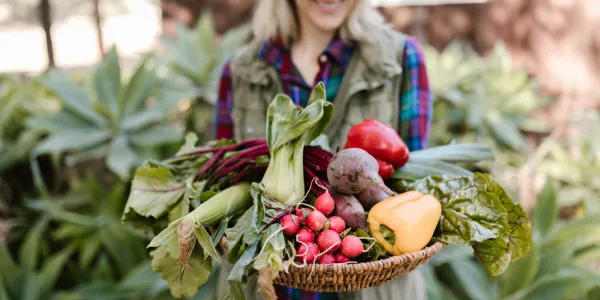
(223, 121)
(416, 106)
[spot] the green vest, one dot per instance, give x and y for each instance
(370, 88)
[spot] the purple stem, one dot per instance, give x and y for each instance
(209, 163)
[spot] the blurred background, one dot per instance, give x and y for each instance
(91, 88)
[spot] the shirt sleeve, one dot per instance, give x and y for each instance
(223, 120)
(416, 107)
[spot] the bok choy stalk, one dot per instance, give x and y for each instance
(289, 129)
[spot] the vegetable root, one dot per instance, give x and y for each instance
(351, 211)
(351, 171)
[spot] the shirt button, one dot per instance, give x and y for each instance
(250, 130)
(323, 58)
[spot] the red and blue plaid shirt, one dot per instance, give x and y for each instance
(415, 101)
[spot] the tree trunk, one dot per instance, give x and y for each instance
(46, 20)
(98, 22)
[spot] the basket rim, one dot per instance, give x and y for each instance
(390, 261)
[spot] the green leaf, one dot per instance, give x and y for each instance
(470, 214)
(521, 273)
(570, 283)
(506, 131)
(190, 143)
(546, 210)
(468, 278)
(71, 140)
(28, 254)
(156, 136)
(455, 153)
(205, 242)
(451, 252)
(50, 272)
(140, 120)
(138, 89)
(89, 249)
(154, 191)
(73, 96)
(10, 273)
(121, 158)
(107, 80)
(236, 233)
(239, 272)
(185, 285)
(495, 255)
(60, 122)
(418, 168)
(520, 237)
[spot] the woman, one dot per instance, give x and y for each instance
(369, 71)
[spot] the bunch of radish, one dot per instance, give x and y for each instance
(318, 235)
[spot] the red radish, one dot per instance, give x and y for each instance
(352, 246)
(315, 220)
(340, 258)
(308, 252)
(325, 203)
(304, 235)
(329, 241)
(337, 224)
(327, 259)
(302, 214)
(290, 224)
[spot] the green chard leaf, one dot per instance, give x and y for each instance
(188, 283)
(271, 256)
(469, 213)
(155, 191)
(477, 211)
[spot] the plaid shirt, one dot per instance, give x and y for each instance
(415, 102)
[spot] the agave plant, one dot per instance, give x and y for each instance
(195, 59)
(18, 101)
(109, 120)
(576, 165)
(483, 99)
(27, 278)
(87, 220)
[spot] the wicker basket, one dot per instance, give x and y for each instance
(353, 277)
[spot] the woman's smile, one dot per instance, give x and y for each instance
(328, 6)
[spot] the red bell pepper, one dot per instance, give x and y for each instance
(386, 170)
(381, 141)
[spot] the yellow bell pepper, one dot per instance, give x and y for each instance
(404, 223)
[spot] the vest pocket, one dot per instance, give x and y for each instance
(248, 120)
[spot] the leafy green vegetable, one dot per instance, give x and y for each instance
(476, 211)
(240, 271)
(271, 257)
(289, 129)
(188, 283)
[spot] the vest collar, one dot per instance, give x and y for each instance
(377, 60)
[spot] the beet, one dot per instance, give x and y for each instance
(353, 170)
(351, 211)
(371, 196)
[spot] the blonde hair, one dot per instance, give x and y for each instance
(274, 18)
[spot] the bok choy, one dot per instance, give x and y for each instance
(289, 129)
